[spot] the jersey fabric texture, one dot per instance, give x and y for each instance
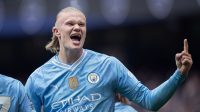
(121, 107)
(90, 84)
(12, 96)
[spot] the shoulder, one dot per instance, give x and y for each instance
(43, 69)
(10, 83)
(100, 56)
(6, 80)
(38, 77)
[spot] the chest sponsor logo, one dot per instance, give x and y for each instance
(93, 78)
(77, 104)
(73, 82)
(4, 103)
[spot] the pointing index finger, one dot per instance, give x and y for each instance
(185, 45)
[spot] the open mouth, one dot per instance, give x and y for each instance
(75, 37)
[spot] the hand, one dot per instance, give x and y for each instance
(184, 59)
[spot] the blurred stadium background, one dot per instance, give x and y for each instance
(144, 34)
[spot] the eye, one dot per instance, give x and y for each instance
(69, 23)
(81, 24)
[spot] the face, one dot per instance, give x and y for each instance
(70, 30)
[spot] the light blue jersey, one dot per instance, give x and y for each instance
(121, 107)
(12, 96)
(90, 84)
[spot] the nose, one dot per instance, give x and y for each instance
(76, 27)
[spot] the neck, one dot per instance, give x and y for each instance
(70, 56)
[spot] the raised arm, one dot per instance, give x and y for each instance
(156, 98)
(160, 95)
(184, 59)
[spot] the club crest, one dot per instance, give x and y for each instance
(73, 82)
(93, 78)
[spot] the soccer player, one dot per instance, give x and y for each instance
(81, 80)
(12, 96)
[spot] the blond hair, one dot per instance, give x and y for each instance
(53, 45)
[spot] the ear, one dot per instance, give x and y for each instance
(56, 31)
